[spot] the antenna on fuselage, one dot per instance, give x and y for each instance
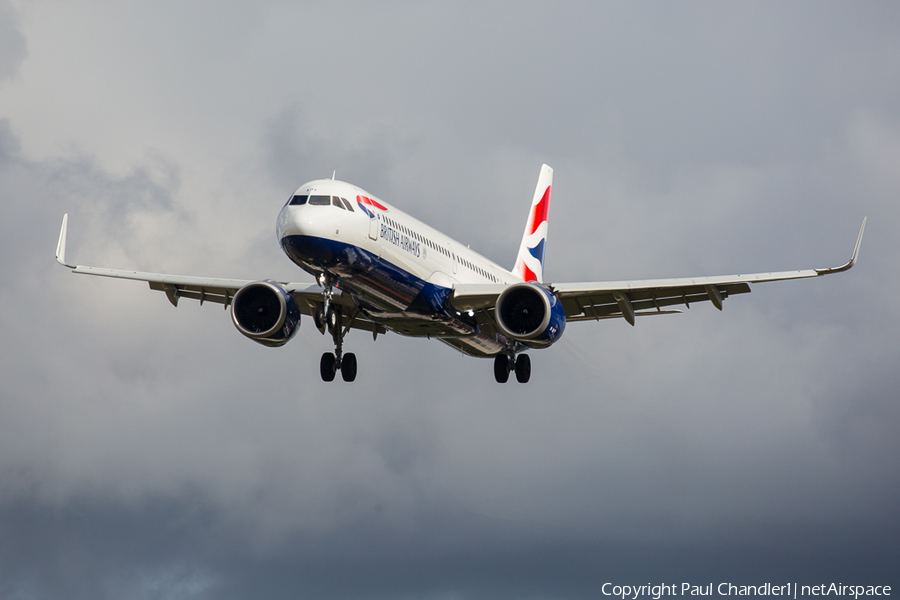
(333, 173)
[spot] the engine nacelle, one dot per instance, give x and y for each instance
(530, 314)
(265, 313)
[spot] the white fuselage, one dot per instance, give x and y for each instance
(399, 270)
(393, 235)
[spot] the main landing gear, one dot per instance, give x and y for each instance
(330, 317)
(506, 363)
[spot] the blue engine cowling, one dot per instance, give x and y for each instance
(530, 314)
(265, 313)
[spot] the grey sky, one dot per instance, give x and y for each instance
(148, 452)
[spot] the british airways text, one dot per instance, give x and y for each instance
(400, 239)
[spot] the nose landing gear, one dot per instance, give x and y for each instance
(330, 317)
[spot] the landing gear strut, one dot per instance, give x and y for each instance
(506, 363)
(323, 317)
(332, 362)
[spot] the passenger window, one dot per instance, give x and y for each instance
(335, 201)
(347, 205)
(298, 200)
(320, 200)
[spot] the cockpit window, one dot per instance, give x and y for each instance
(320, 200)
(335, 201)
(297, 200)
(347, 205)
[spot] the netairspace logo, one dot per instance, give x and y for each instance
(790, 590)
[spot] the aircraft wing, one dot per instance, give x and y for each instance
(210, 289)
(629, 299)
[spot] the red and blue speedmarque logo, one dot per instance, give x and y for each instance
(363, 202)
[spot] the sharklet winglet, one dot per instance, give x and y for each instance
(848, 265)
(61, 245)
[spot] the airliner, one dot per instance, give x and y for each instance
(378, 269)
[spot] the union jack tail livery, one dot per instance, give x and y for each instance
(530, 260)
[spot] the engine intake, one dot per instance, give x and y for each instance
(530, 314)
(264, 312)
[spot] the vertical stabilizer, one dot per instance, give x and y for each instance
(530, 260)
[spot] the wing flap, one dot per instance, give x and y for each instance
(475, 296)
(217, 295)
(578, 318)
(569, 289)
(603, 303)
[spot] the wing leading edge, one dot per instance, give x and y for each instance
(210, 289)
(629, 299)
(582, 301)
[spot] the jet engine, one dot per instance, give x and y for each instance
(530, 314)
(265, 313)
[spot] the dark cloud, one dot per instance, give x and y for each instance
(13, 48)
(291, 147)
(186, 548)
(147, 451)
(9, 143)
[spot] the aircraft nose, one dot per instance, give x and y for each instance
(283, 223)
(303, 221)
(292, 221)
